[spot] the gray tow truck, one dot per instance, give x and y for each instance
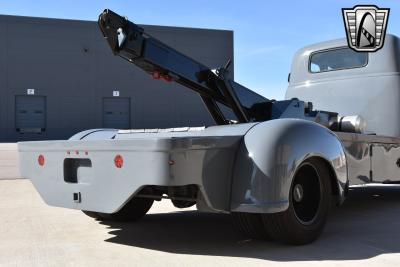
(276, 166)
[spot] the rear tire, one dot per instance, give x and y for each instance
(250, 225)
(182, 204)
(134, 210)
(309, 204)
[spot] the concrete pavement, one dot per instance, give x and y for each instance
(364, 231)
(9, 161)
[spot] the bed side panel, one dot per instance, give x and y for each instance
(358, 161)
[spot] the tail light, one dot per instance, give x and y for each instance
(41, 160)
(119, 161)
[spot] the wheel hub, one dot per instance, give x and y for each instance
(306, 194)
(298, 193)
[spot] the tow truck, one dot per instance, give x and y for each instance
(277, 166)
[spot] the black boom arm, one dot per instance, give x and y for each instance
(130, 42)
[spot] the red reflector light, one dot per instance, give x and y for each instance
(118, 161)
(156, 75)
(41, 160)
(159, 76)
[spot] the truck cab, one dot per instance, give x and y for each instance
(334, 77)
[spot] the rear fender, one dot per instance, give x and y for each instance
(269, 157)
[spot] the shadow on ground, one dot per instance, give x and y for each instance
(367, 225)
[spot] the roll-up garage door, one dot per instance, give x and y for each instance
(116, 113)
(30, 114)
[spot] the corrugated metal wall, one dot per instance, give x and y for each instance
(69, 64)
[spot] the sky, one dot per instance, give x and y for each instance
(266, 33)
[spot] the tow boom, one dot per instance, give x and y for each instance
(130, 42)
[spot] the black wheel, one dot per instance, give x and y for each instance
(309, 204)
(134, 210)
(250, 225)
(183, 203)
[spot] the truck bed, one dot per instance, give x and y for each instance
(82, 174)
(371, 158)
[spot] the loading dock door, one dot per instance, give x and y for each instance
(30, 114)
(116, 112)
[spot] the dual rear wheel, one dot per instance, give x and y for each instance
(304, 220)
(301, 223)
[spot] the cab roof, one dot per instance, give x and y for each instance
(385, 60)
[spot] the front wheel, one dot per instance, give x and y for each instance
(309, 204)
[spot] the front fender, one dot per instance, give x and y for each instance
(269, 157)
